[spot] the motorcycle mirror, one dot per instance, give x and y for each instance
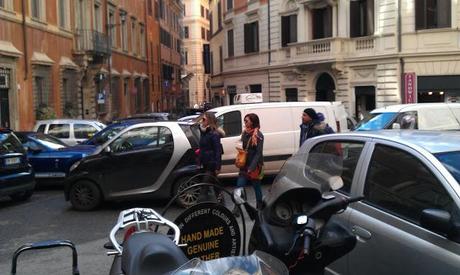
(335, 183)
(301, 220)
(239, 195)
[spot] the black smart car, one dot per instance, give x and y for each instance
(16, 174)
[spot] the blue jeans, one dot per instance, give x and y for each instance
(242, 182)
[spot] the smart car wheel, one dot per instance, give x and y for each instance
(85, 195)
(22, 196)
(190, 197)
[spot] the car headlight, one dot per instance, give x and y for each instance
(74, 166)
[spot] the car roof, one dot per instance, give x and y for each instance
(412, 107)
(274, 104)
(432, 141)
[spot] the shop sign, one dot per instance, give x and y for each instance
(210, 231)
(410, 89)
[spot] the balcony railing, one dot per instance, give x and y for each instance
(92, 41)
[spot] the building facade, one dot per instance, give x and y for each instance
(196, 34)
(365, 53)
(57, 57)
(172, 97)
(218, 91)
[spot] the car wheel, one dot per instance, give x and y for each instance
(85, 195)
(190, 197)
(22, 196)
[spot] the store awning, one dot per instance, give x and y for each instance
(67, 63)
(41, 59)
(8, 49)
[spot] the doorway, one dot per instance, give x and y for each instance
(364, 101)
(4, 109)
(325, 88)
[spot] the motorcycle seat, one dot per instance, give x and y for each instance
(148, 253)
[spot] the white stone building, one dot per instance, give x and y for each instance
(355, 51)
(196, 34)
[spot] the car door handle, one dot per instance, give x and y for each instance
(361, 233)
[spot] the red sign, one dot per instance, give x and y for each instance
(410, 88)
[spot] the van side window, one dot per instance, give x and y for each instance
(59, 130)
(84, 131)
(406, 120)
(41, 128)
(231, 123)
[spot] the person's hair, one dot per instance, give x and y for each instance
(212, 120)
(254, 120)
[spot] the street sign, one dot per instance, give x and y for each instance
(101, 98)
(410, 88)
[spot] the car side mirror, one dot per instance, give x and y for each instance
(440, 221)
(396, 126)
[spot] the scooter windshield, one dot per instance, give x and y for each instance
(321, 171)
(259, 263)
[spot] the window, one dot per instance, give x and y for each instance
(157, 11)
(229, 5)
(142, 41)
(202, 11)
(37, 9)
(231, 91)
(432, 14)
(2, 4)
(162, 9)
(83, 131)
(219, 15)
(113, 36)
(208, 35)
(142, 138)
(291, 95)
(343, 154)
(165, 38)
(231, 123)
(230, 43)
(211, 24)
(203, 33)
(186, 32)
(185, 57)
(399, 183)
(255, 88)
(149, 7)
(288, 29)
(322, 22)
(207, 14)
(221, 60)
(98, 17)
(59, 130)
(178, 45)
(251, 37)
(361, 18)
(211, 62)
(124, 31)
(133, 36)
(64, 14)
(41, 93)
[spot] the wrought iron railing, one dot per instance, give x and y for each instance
(92, 41)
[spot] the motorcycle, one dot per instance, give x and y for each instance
(294, 224)
(145, 251)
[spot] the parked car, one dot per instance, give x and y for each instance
(409, 219)
(16, 174)
(280, 126)
(144, 160)
(419, 116)
(50, 157)
(70, 131)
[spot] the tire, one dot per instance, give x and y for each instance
(85, 195)
(190, 197)
(22, 196)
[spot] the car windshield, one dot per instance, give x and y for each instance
(451, 160)
(10, 144)
(375, 121)
(105, 135)
(50, 141)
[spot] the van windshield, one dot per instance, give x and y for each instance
(376, 121)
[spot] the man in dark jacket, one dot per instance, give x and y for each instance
(312, 126)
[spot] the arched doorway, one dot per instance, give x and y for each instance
(325, 88)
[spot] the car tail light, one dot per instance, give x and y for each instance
(128, 233)
(337, 123)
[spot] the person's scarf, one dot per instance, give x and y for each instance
(254, 132)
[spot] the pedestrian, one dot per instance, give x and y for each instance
(253, 170)
(312, 125)
(210, 152)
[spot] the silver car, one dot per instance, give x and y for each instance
(409, 221)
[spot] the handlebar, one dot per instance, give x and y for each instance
(324, 210)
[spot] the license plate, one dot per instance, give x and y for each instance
(12, 161)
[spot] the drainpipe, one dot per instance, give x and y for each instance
(269, 49)
(24, 37)
(401, 60)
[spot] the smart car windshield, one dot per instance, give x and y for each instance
(451, 160)
(376, 121)
(105, 135)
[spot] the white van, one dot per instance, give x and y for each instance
(420, 116)
(279, 122)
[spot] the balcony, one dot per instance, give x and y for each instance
(317, 50)
(92, 41)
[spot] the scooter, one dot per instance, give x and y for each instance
(144, 251)
(295, 223)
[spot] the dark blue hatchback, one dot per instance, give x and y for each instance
(16, 174)
(50, 157)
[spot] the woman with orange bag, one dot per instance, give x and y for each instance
(252, 139)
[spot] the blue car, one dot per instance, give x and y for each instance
(50, 157)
